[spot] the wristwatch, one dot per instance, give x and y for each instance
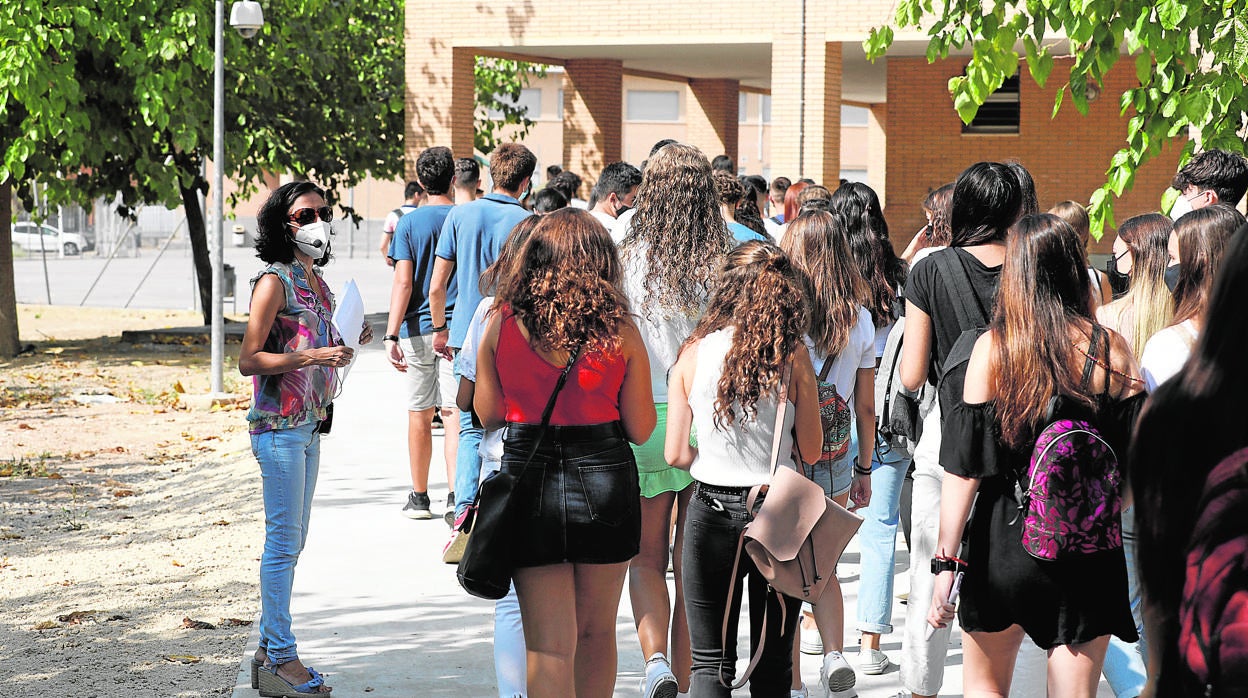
(947, 564)
(390, 338)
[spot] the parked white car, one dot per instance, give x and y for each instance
(33, 238)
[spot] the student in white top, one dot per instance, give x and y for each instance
(672, 255)
(726, 383)
(1198, 244)
(841, 341)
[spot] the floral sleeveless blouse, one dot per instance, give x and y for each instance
(294, 398)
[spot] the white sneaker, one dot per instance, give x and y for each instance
(837, 675)
(872, 662)
(802, 692)
(810, 642)
(659, 682)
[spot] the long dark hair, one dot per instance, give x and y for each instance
(274, 242)
(986, 201)
(1190, 424)
(1203, 236)
(817, 243)
(762, 297)
(883, 270)
(938, 205)
(1044, 291)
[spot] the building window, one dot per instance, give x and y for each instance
(1000, 113)
(653, 105)
(853, 116)
(530, 103)
(764, 108)
(854, 175)
(741, 110)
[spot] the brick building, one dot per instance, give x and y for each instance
(796, 67)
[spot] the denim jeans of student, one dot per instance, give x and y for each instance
(711, 535)
(467, 460)
(877, 539)
(289, 460)
(1125, 666)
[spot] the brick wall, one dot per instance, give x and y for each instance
(711, 113)
(1067, 156)
(592, 107)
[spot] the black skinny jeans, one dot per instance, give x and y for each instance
(712, 531)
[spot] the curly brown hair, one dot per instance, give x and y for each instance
(565, 286)
(759, 295)
(679, 229)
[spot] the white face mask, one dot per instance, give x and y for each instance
(313, 239)
(1180, 207)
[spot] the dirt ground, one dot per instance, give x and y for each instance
(125, 516)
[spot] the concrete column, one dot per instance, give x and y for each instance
(440, 96)
(593, 93)
(711, 113)
(877, 147)
(806, 112)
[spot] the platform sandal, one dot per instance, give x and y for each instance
(272, 685)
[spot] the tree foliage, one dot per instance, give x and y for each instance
(499, 116)
(1190, 57)
(100, 97)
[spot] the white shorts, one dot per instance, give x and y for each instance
(430, 382)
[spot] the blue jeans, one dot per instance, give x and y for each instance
(289, 460)
(467, 461)
(1124, 667)
(877, 539)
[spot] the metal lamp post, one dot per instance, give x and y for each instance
(247, 17)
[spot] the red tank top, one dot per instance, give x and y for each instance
(590, 396)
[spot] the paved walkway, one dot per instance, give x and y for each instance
(375, 606)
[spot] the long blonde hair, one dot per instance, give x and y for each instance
(817, 243)
(1149, 300)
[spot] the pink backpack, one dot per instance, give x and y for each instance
(1072, 503)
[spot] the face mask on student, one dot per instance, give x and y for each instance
(1119, 282)
(1180, 207)
(1172, 277)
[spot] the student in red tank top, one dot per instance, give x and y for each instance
(562, 297)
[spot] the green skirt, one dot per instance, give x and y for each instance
(653, 472)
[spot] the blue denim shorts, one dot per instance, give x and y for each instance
(835, 477)
(581, 493)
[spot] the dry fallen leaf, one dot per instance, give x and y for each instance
(182, 658)
(222, 522)
(178, 564)
(77, 617)
(197, 624)
(233, 622)
(177, 387)
(45, 625)
(123, 493)
(24, 425)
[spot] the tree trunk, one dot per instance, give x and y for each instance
(198, 232)
(9, 341)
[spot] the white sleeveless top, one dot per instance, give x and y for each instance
(662, 333)
(739, 454)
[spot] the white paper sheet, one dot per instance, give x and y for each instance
(349, 320)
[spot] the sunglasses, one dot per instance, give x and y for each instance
(308, 216)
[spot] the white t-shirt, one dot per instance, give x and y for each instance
(773, 228)
(1166, 352)
(619, 229)
(392, 218)
(662, 332)
(738, 454)
(491, 448)
(607, 221)
(859, 352)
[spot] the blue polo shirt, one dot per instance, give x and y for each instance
(416, 240)
(743, 234)
(471, 238)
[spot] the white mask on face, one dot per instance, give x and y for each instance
(1180, 207)
(313, 239)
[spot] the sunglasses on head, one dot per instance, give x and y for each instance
(308, 216)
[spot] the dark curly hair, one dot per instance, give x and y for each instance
(273, 239)
(762, 297)
(565, 285)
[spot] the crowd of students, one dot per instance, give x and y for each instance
(626, 358)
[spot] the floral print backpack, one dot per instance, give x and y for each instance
(1072, 500)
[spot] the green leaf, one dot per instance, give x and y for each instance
(1171, 13)
(1057, 102)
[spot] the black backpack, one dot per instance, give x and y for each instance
(973, 321)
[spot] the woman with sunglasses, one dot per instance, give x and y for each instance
(293, 351)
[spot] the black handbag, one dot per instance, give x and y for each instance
(485, 569)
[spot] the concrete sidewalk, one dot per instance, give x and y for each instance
(375, 607)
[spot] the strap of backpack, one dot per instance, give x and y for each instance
(1098, 340)
(762, 639)
(827, 366)
(960, 284)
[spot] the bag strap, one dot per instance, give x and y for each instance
(960, 283)
(762, 639)
(827, 366)
(550, 406)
